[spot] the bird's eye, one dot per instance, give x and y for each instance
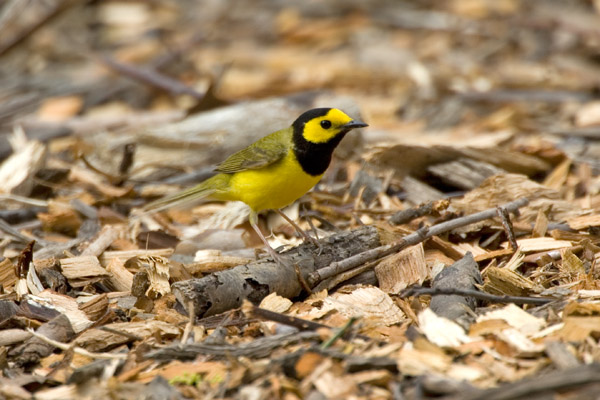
(325, 124)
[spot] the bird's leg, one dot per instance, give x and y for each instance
(302, 233)
(253, 219)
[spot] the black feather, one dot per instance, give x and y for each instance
(314, 158)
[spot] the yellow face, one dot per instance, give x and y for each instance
(323, 129)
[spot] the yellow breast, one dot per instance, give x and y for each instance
(272, 187)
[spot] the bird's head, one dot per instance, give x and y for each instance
(321, 125)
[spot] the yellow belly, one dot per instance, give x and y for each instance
(272, 187)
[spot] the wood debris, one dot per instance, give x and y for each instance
(458, 235)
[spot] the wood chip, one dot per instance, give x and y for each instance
(17, 172)
(276, 303)
(207, 261)
(67, 306)
(517, 318)
(100, 340)
(125, 255)
(403, 269)
(157, 269)
(584, 222)
(120, 278)
(370, 303)
(414, 362)
(8, 278)
(533, 245)
(442, 331)
(94, 306)
(503, 281)
(82, 270)
(105, 238)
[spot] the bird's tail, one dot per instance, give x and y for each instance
(189, 196)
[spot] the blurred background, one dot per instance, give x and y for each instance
(188, 82)
(434, 64)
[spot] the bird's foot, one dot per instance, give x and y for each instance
(315, 243)
(278, 258)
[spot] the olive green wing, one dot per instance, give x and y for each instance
(261, 153)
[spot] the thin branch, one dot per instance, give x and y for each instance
(332, 282)
(18, 236)
(150, 77)
(128, 335)
(252, 311)
(24, 200)
(301, 280)
(423, 291)
(405, 216)
(78, 350)
(409, 240)
(43, 19)
(508, 227)
(190, 325)
(340, 333)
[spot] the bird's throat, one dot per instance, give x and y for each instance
(314, 158)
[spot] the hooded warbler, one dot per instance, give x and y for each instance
(275, 170)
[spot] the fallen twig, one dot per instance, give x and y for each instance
(409, 240)
(252, 311)
(258, 348)
(508, 227)
(18, 236)
(52, 11)
(78, 350)
(423, 291)
(340, 333)
(404, 216)
(151, 77)
(538, 386)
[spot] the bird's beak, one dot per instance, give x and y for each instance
(354, 125)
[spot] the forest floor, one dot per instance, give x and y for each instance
(459, 231)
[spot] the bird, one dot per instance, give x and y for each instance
(274, 171)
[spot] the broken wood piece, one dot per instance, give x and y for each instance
(508, 282)
(369, 303)
(224, 290)
(125, 255)
(30, 352)
(541, 222)
(418, 192)
(400, 270)
(8, 278)
(409, 240)
(67, 306)
(442, 331)
(120, 278)
(463, 274)
(536, 386)
(494, 254)
(405, 216)
(124, 332)
(538, 244)
(82, 270)
(584, 222)
(560, 355)
(258, 348)
(207, 261)
(107, 236)
(476, 294)
(94, 306)
(18, 171)
(464, 173)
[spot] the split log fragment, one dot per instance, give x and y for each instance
(463, 274)
(224, 290)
